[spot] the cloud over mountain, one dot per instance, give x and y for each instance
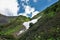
(27, 8)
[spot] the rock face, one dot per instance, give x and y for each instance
(5, 19)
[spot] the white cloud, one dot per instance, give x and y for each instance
(29, 10)
(27, 0)
(8, 7)
(34, 13)
(35, 0)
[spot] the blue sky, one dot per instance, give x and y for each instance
(39, 5)
(28, 8)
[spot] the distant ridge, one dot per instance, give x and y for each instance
(5, 19)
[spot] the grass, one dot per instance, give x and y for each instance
(15, 26)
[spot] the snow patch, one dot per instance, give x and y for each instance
(26, 24)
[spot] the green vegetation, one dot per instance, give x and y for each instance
(47, 27)
(14, 26)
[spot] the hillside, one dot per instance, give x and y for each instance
(47, 10)
(12, 25)
(47, 27)
(6, 19)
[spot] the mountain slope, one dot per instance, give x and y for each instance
(6, 19)
(13, 27)
(51, 8)
(47, 27)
